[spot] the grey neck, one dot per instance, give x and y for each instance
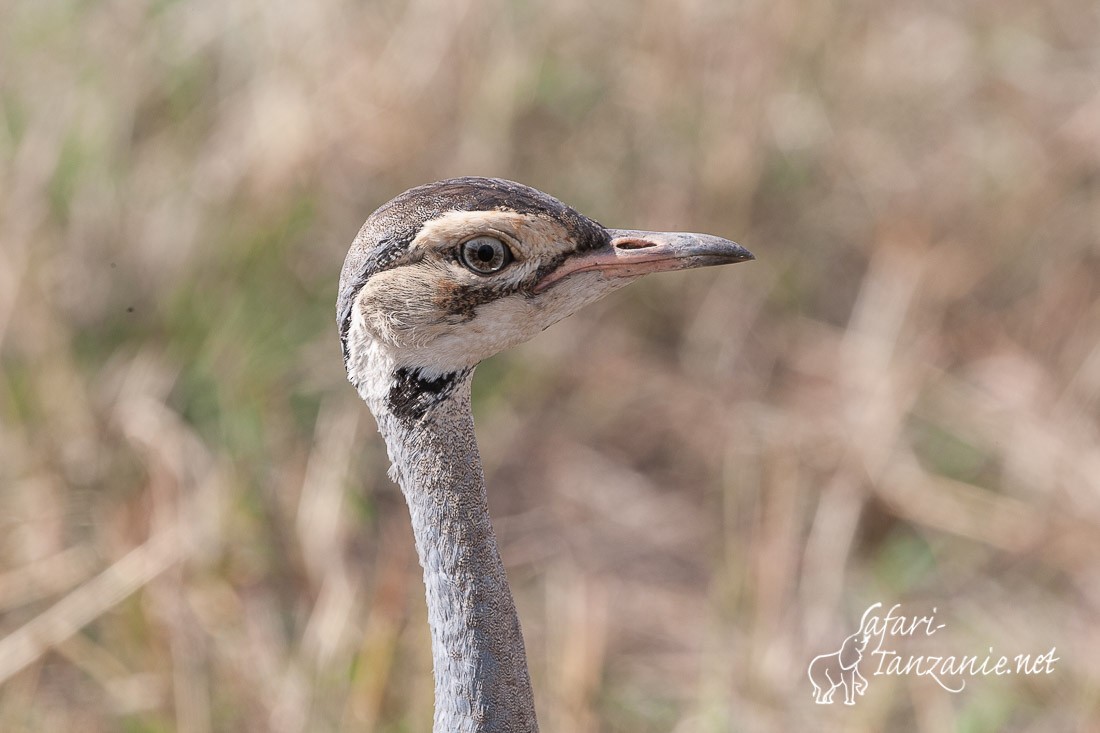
(481, 679)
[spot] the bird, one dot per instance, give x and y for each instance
(438, 279)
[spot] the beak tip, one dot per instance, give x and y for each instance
(740, 254)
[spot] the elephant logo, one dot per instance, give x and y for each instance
(841, 668)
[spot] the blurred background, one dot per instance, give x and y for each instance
(699, 483)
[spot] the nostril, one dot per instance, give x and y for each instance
(633, 244)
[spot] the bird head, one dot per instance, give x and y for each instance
(450, 273)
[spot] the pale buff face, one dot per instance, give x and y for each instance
(433, 313)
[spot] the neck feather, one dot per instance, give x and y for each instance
(481, 679)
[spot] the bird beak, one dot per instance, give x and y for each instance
(633, 253)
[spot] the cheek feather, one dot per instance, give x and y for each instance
(397, 306)
(461, 301)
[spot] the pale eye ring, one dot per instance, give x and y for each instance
(484, 255)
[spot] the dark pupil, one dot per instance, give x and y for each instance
(485, 253)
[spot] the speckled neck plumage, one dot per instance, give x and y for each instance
(481, 678)
(440, 278)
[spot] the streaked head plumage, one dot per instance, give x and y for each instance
(450, 273)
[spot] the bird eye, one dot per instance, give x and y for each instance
(484, 255)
